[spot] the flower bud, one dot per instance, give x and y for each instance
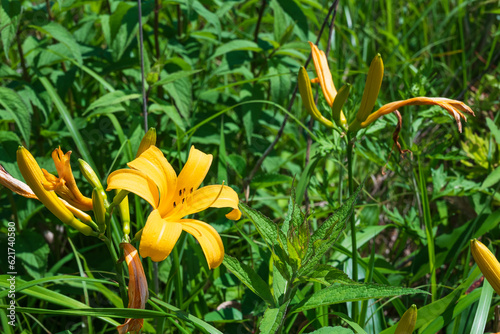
(305, 91)
(407, 323)
(487, 262)
(372, 88)
(338, 103)
(89, 174)
(99, 209)
(148, 140)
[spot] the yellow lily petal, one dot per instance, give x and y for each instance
(215, 196)
(324, 74)
(452, 106)
(192, 175)
(159, 237)
(153, 163)
(208, 238)
(136, 182)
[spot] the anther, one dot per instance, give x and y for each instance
(175, 205)
(191, 190)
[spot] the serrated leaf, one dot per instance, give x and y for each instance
(335, 223)
(327, 275)
(250, 278)
(18, 110)
(272, 319)
(336, 294)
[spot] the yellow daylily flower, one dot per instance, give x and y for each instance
(325, 78)
(138, 293)
(65, 185)
(173, 197)
(35, 179)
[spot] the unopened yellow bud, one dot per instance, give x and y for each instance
(372, 88)
(338, 103)
(148, 140)
(99, 209)
(124, 210)
(305, 91)
(407, 323)
(89, 174)
(487, 263)
(34, 178)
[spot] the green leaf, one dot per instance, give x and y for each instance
(10, 13)
(332, 330)
(305, 177)
(33, 251)
(186, 316)
(269, 180)
(335, 223)
(265, 226)
(483, 308)
(110, 99)
(236, 45)
(336, 294)
(229, 314)
(175, 76)
(327, 275)
(250, 278)
(273, 319)
(62, 35)
(68, 120)
(491, 179)
(18, 110)
(493, 129)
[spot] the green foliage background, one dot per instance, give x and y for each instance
(221, 76)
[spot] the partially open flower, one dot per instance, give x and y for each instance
(138, 292)
(34, 189)
(65, 185)
(325, 80)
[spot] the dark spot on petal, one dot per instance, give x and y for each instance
(175, 205)
(191, 190)
(183, 200)
(180, 192)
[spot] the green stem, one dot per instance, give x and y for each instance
(350, 147)
(428, 228)
(177, 276)
(119, 270)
